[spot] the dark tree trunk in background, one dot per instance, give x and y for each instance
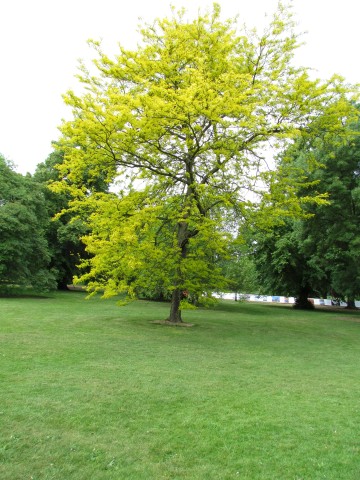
(62, 285)
(302, 301)
(351, 303)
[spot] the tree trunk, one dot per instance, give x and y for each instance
(183, 236)
(62, 285)
(302, 302)
(350, 303)
(175, 312)
(182, 240)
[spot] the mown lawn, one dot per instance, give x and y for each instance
(92, 391)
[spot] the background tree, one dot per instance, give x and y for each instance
(188, 114)
(24, 253)
(282, 266)
(239, 269)
(64, 232)
(333, 233)
(318, 254)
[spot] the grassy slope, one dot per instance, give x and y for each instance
(93, 391)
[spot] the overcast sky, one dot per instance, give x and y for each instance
(41, 41)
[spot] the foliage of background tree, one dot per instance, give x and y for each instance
(333, 233)
(187, 114)
(282, 266)
(239, 269)
(24, 253)
(319, 255)
(63, 233)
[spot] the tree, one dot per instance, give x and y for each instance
(187, 115)
(63, 233)
(332, 234)
(239, 269)
(24, 254)
(318, 254)
(282, 266)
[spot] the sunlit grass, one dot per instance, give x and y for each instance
(91, 391)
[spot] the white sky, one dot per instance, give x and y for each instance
(41, 41)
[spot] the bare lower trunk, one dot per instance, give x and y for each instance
(183, 236)
(175, 312)
(177, 295)
(63, 285)
(302, 302)
(350, 303)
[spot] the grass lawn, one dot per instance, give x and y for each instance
(92, 391)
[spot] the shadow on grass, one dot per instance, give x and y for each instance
(320, 309)
(25, 295)
(251, 308)
(19, 293)
(28, 293)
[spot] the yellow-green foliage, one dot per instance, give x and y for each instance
(188, 115)
(134, 247)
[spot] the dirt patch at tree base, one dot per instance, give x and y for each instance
(172, 324)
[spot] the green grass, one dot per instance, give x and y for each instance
(91, 391)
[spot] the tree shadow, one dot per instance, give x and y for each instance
(25, 295)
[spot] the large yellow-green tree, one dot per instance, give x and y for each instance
(182, 122)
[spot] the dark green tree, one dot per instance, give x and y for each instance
(63, 232)
(318, 254)
(282, 266)
(24, 253)
(332, 240)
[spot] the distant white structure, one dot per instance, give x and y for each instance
(276, 299)
(271, 299)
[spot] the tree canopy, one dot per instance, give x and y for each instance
(24, 255)
(182, 123)
(62, 233)
(332, 233)
(319, 253)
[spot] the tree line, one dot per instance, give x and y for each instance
(163, 173)
(36, 250)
